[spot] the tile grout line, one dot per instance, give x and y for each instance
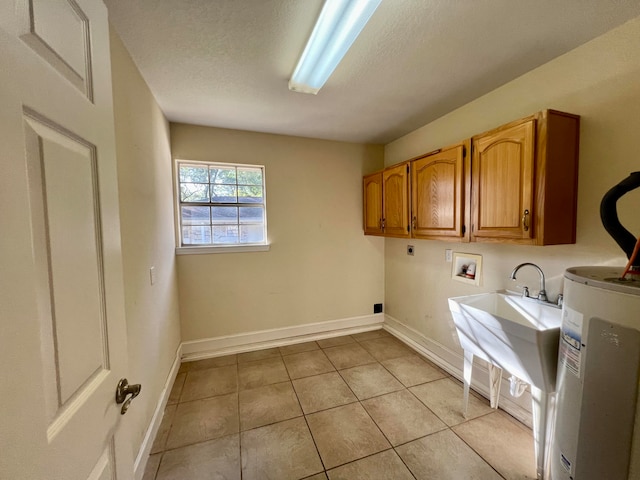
(155, 475)
(447, 426)
(351, 403)
(239, 421)
(369, 415)
(393, 447)
(476, 452)
(164, 445)
(304, 416)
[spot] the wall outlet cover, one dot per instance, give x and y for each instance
(410, 249)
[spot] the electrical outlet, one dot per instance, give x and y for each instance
(448, 255)
(410, 250)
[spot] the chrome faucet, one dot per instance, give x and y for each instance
(542, 294)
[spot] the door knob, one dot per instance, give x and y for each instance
(123, 390)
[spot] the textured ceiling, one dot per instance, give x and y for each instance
(226, 63)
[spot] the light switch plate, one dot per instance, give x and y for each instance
(152, 275)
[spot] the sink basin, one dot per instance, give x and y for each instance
(519, 335)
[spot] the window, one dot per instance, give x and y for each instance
(221, 204)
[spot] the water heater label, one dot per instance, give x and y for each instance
(571, 344)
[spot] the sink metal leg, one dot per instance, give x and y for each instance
(495, 380)
(542, 408)
(468, 366)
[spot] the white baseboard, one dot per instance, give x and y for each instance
(143, 454)
(278, 337)
(452, 362)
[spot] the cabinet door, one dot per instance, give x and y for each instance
(372, 188)
(502, 171)
(395, 204)
(437, 192)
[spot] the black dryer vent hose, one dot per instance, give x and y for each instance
(609, 215)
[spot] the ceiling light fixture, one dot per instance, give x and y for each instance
(338, 25)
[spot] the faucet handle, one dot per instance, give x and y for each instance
(525, 290)
(560, 301)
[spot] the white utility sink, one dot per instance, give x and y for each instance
(519, 335)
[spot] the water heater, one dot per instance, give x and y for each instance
(597, 423)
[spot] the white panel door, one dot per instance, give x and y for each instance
(63, 340)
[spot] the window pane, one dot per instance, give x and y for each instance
(196, 235)
(249, 176)
(224, 193)
(195, 174)
(221, 204)
(225, 234)
(250, 194)
(251, 233)
(251, 215)
(194, 192)
(195, 216)
(225, 175)
(220, 215)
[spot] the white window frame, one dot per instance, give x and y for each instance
(190, 249)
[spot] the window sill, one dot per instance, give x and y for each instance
(221, 249)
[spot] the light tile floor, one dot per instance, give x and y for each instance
(363, 406)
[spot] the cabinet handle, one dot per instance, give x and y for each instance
(383, 224)
(380, 224)
(525, 220)
(413, 222)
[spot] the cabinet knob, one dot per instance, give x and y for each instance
(413, 222)
(525, 220)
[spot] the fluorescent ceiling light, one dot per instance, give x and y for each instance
(339, 24)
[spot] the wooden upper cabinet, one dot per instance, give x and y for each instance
(503, 166)
(438, 184)
(395, 203)
(386, 202)
(525, 181)
(518, 185)
(372, 188)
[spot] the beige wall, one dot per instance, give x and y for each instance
(320, 267)
(599, 81)
(146, 220)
